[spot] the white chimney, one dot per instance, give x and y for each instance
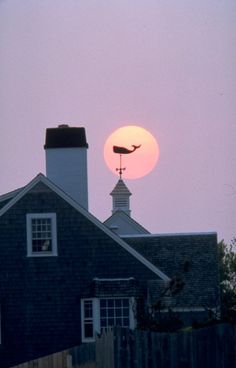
(66, 161)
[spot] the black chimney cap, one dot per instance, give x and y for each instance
(65, 137)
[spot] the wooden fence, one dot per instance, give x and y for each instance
(204, 348)
(59, 360)
(82, 356)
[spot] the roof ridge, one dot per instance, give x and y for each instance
(170, 234)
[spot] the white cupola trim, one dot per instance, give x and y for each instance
(120, 198)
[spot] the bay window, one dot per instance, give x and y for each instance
(99, 314)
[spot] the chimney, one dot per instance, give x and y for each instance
(66, 161)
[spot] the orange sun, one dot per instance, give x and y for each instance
(138, 148)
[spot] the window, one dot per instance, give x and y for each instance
(88, 319)
(98, 314)
(41, 234)
(114, 312)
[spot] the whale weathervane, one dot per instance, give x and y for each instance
(125, 151)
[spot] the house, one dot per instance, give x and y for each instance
(65, 275)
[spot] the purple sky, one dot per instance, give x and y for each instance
(168, 66)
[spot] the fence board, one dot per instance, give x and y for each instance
(82, 354)
(105, 350)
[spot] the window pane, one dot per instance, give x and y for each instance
(118, 302)
(103, 303)
(88, 330)
(88, 309)
(119, 321)
(118, 312)
(125, 312)
(125, 303)
(111, 312)
(126, 322)
(111, 322)
(110, 303)
(103, 322)
(41, 245)
(103, 312)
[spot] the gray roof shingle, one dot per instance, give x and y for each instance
(191, 257)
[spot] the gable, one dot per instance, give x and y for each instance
(41, 189)
(122, 224)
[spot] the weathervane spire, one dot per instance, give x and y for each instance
(123, 150)
(121, 169)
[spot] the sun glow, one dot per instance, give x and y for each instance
(141, 160)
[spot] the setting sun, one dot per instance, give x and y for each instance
(137, 149)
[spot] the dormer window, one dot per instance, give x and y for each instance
(41, 234)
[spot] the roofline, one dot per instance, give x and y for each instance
(42, 178)
(112, 279)
(169, 234)
(6, 196)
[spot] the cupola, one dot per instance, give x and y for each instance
(120, 198)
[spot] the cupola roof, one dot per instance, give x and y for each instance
(120, 198)
(121, 189)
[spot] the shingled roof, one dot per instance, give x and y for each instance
(191, 257)
(7, 197)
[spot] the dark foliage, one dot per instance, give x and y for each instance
(153, 319)
(227, 263)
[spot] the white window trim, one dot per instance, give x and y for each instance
(31, 216)
(132, 313)
(95, 319)
(96, 315)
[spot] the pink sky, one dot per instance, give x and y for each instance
(167, 66)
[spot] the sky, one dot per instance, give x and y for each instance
(165, 65)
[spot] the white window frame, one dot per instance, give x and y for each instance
(96, 315)
(53, 218)
(95, 318)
